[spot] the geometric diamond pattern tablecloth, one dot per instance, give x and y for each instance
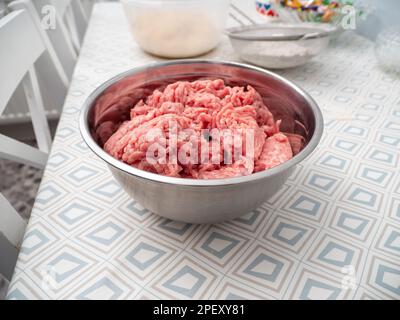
(332, 232)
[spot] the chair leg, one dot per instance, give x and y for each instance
(9, 255)
(4, 283)
(38, 115)
(12, 229)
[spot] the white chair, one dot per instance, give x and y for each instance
(81, 18)
(57, 40)
(88, 6)
(72, 15)
(24, 47)
(58, 63)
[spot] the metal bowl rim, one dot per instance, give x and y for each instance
(324, 31)
(91, 143)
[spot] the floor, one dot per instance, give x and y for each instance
(19, 184)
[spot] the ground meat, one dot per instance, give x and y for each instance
(192, 119)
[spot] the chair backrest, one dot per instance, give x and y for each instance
(17, 36)
(81, 18)
(88, 6)
(72, 14)
(57, 40)
(24, 46)
(54, 68)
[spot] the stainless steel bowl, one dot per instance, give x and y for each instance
(191, 200)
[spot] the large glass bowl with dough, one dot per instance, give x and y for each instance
(176, 28)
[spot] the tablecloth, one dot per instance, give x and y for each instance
(332, 232)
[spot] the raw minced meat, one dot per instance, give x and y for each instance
(194, 112)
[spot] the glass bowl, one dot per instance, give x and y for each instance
(176, 28)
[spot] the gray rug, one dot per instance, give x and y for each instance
(19, 184)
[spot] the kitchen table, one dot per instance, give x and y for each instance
(332, 232)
